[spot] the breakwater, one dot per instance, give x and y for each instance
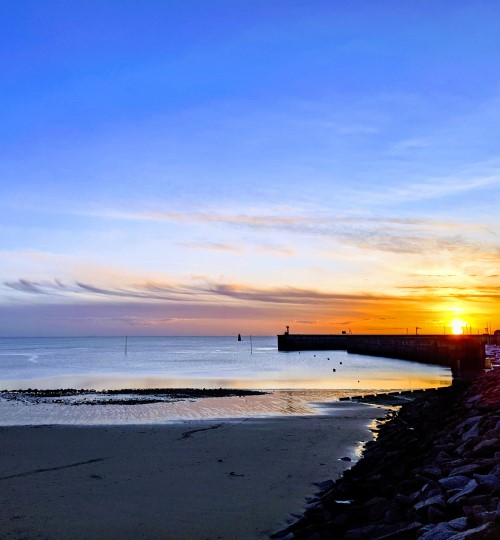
(432, 473)
(464, 354)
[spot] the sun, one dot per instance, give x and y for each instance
(457, 326)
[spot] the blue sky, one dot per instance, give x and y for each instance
(212, 167)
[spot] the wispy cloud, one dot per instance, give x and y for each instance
(212, 246)
(210, 292)
(23, 285)
(148, 291)
(129, 320)
(264, 220)
(276, 250)
(436, 188)
(184, 293)
(409, 144)
(204, 217)
(383, 233)
(477, 291)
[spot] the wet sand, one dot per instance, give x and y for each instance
(212, 479)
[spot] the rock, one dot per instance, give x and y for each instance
(435, 514)
(467, 490)
(458, 524)
(467, 446)
(477, 533)
(466, 424)
(283, 535)
(454, 482)
(441, 531)
(465, 470)
(314, 512)
(431, 489)
(340, 522)
(315, 536)
(403, 501)
(376, 508)
(393, 515)
(475, 399)
(437, 501)
(322, 486)
(482, 500)
(471, 433)
(486, 448)
(407, 532)
(442, 457)
(486, 517)
(459, 462)
(361, 533)
(432, 472)
(489, 482)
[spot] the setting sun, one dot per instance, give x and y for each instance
(457, 326)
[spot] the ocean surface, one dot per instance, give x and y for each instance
(296, 380)
(198, 362)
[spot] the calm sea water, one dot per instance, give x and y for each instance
(199, 362)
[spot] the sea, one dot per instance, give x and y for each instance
(293, 382)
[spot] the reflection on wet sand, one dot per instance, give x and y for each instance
(278, 403)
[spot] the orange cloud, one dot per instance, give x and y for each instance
(269, 309)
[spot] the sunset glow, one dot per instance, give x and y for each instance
(458, 326)
(214, 168)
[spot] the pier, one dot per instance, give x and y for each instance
(464, 354)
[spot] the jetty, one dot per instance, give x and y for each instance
(463, 354)
(431, 473)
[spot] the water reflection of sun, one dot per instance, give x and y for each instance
(457, 326)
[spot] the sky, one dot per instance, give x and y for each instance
(214, 167)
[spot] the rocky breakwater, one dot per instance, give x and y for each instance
(432, 474)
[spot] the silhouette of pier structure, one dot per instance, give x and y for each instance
(464, 354)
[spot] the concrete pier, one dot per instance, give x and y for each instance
(464, 354)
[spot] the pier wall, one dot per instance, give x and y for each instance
(463, 354)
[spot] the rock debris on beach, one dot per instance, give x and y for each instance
(135, 396)
(432, 474)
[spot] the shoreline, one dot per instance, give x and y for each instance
(432, 472)
(239, 478)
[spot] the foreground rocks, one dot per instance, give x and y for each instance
(432, 474)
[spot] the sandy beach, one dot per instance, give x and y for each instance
(212, 479)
